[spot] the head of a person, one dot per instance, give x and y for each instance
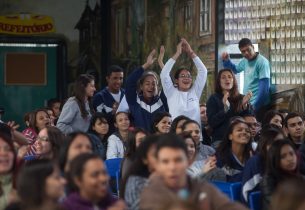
(203, 113)
(226, 82)
(7, 154)
(99, 124)
(254, 126)
(284, 112)
(26, 118)
(237, 135)
(177, 123)
(48, 142)
(269, 134)
(40, 182)
(148, 85)
(282, 160)
(39, 119)
(172, 160)
(84, 87)
(54, 104)
(88, 176)
(162, 122)
(193, 128)
(183, 79)
(115, 76)
(122, 121)
(246, 48)
(191, 146)
(76, 143)
(135, 138)
(294, 126)
(51, 115)
(5, 129)
(273, 117)
(289, 195)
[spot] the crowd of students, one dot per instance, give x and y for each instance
(172, 147)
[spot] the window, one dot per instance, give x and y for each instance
(205, 17)
(188, 13)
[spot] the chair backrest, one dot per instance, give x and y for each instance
(255, 200)
(113, 166)
(232, 190)
(235, 189)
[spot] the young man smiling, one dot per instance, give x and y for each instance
(171, 182)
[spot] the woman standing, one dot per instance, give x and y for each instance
(183, 96)
(77, 111)
(225, 103)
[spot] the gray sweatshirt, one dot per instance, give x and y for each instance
(70, 119)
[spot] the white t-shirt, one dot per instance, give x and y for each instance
(116, 96)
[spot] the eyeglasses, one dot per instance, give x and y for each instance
(42, 138)
(185, 76)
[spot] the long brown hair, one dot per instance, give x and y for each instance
(235, 97)
(80, 93)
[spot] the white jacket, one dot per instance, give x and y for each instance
(179, 102)
(115, 148)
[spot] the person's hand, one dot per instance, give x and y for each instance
(13, 125)
(115, 107)
(225, 97)
(225, 56)
(150, 59)
(178, 52)
(246, 99)
(187, 48)
(161, 56)
(210, 164)
(119, 205)
(22, 151)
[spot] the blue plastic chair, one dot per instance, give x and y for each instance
(113, 168)
(232, 190)
(235, 189)
(255, 200)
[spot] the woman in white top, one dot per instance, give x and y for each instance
(117, 141)
(183, 96)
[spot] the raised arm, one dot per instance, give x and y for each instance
(202, 70)
(166, 80)
(132, 79)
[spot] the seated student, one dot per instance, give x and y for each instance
(90, 181)
(294, 127)
(143, 96)
(206, 129)
(48, 143)
(224, 104)
(234, 150)
(204, 151)
(108, 99)
(289, 195)
(183, 96)
(55, 105)
(254, 127)
(77, 111)
(162, 122)
(98, 132)
(171, 183)
(8, 169)
(137, 176)
(255, 166)
(135, 138)
(176, 126)
(40, 186)
(282, 164)
(117, 141)
(273, 117)
(76, 143)
(207, 169)
(38, 120)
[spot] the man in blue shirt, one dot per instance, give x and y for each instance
(257, 73)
